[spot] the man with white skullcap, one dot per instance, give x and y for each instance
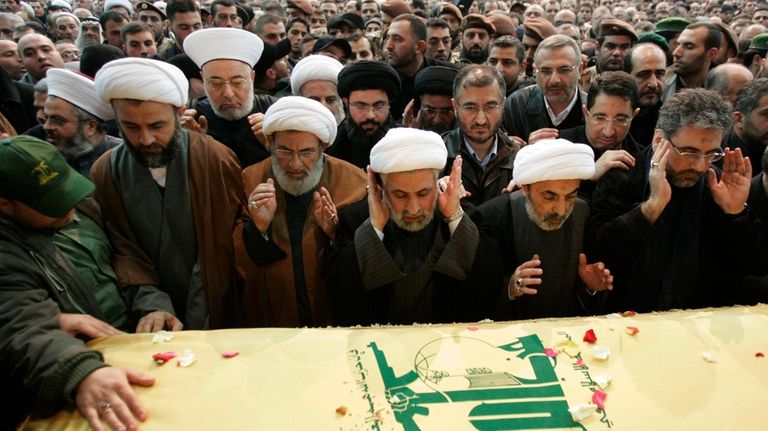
(170, 198)
(293, 201)
(75, 119)
(316, 77)
(404, 254)
(231, 113)
(539, 231)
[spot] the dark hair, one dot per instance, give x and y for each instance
(180, 6)
(295, 20)
(271, 7)
(437, 23)
(478, 75)
(714, 34)
(134, 28)
(698, 108)
(418, 28)
(510, 42)
(111, 16)
(225, 3)
(749, 96)
(619, 84)
(94, 57)
(31, 25)
(264, 20)
(765, 161)
(354, 37)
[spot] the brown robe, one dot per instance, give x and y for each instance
(216, 189)
(269, 296)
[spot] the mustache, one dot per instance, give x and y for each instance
(371, 122)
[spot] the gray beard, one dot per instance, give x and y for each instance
(233, 114)
(539, 222)
(76, 148)
(298, 187)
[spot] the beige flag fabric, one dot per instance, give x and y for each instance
(697, 370)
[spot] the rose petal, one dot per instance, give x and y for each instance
(629, 313)
(759, 355)
(187, 358)
(550, 352)
(709, 356)
(473, 327)
(580, 361)
(601, 352)
(602, 380)
(632, 330)
(590, 336)
(582, 411)
(162, 336)
(342, 410)
(598, 399)
(162, 358)
(230, 354)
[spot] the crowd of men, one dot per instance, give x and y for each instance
(183, 165)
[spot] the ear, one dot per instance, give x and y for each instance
(523, 65)
(637, 111)
(89, 127)
(584, 110)
(526, 189)
(421, 46)
(253, 74)
(738, 120)
(210, 20)
(268, 142)
(455, 107)
(270, 73)
(712, 53)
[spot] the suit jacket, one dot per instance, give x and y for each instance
(525, 112)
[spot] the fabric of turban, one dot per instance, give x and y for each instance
(404, 149)
(553, 159)
(223, 43)
(79, 91)
(61, 4)
(314, 67)
(122, 3)
(369, 75)
(71, 15)
(142, 79)
(435, 80)
(303, 115)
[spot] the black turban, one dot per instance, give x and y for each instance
(369, 75)
(435, 80)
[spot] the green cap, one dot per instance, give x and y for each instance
(672, 24)
(653, 38)
(759, 42)
(34, 172)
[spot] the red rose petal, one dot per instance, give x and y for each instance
(629, 313)
(230, 354)
(590, 336)
(580, 362)
(162, 358)
(759, 355)
(550, 352)
(473, 327)
(632, 330)
(598, 399)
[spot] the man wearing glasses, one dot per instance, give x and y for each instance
(674, 229)
(367, 89)
(612, 102)
(293, 201)
(232, 114)
(540, 111)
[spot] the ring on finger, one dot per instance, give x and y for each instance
(105, 406)
(519, 283)
(253, 204)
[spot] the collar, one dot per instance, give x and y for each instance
(489, 157)
(559, 118)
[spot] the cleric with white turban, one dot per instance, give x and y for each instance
(303, 115)
(404, 149)
(79, 91)
(553, 159)
(142, 79)
(223, 43)
(312, 68)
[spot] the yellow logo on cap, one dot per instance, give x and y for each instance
(44, 173)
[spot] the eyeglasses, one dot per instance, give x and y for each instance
(304, 155)
(70, 55)
(218, 84)
(378, 107)
(436, 111)
(603, 120)
(710, 157)
(561, 71)
(488, 108)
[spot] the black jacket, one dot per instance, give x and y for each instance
(525, 112)
(16, 102)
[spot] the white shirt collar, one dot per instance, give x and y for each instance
(557, 119)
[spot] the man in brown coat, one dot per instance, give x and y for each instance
(293, 200)
(170, 199)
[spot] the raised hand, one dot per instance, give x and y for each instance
(450, 192)
(731, 192)
(262, 204)
(409, 120)
(188, 122)
(527, 274)
(661, 191)
(325, 212)
(257, 127)
(545, 133)
(376, 207)
(595, 276)
(612, 159)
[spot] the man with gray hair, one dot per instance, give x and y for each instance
(750, 122)
(669, 225)
(727, 80)
(541, 110)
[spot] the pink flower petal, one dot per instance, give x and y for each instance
(473, 327)
(598, 398)
(590, 336)
(230, 354)
(629, 313)
(162, 358)
(580, 362)
(550, 352)
(632, 330)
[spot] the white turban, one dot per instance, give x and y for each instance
(79, 91)
(109, 4)
(142, 79)
(69, 14)
(553, 159)
(61, 3)
(303, 115)
(403, 149)
(223, 43)
(314, 67)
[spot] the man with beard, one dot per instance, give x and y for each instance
(478, 98)
(170, 199)
(540, 111)
(183, 20)
(293, 199)
(438, 40)
(155, 19)
(755, 284)
(404, 255)
(697, 48)
(231, 113)
(432, 108)
(612, 102)
(614, 40)
(316, 77)
(539, 232)
(367, 89)
(727, 80)
(535, 31)
(90, 33)
(66, 26)
(750, 123)
(669, 225)
(507, 56)
(405, 45)
(647, 63)
(74, 119)
(476, 34)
